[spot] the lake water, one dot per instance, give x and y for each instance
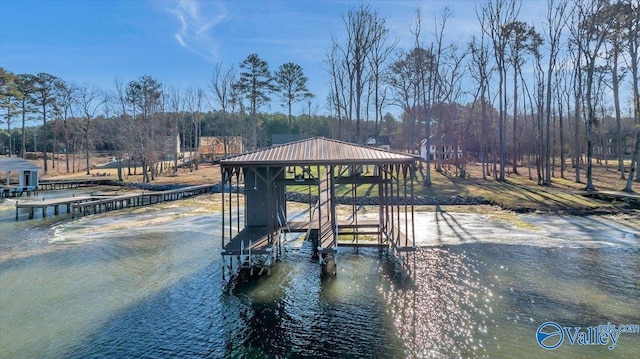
(147, 283)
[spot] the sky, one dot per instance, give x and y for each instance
(180, 42)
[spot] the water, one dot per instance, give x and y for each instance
(147, 283)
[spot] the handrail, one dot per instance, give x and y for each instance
(282, 220)
(313, 211)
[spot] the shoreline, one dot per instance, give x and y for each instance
(517, 194)
(423, 203)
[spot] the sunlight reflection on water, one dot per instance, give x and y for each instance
(440, 312)
(148, 283)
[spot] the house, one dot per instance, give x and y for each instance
(171, 148)
(17, 175)
(441, 148)
(382, 142)
(218, 146)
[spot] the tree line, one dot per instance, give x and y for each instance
(137, 118)
(476, 91)
(516, 96)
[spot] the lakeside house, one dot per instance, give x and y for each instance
(214, 147)
(441, 148)
(382, 142)
(17, 176)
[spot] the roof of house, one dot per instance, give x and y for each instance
(8, 164)
(318, 151)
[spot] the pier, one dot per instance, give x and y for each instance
(93, 204)
(70, 184)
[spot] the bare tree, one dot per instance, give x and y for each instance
(144, 97)
(614, 48)
(555, 25)
(175, 109)
(67, 99)
(337, 75)
(381, 49)
(221, 86)
(521, 39)
(633, 42)
(90, 100)
(499, 13)
(121, 140)
(563, 97)
(194, 100)
(363, 28)
(481, 73)
(425, 65)
(590, 34)
(404, 78)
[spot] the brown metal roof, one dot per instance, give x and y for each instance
(318, 151)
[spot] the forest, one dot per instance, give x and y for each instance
(514, 97)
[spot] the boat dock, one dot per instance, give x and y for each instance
(93, 204)
(254, 239)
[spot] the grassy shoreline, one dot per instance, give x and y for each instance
(518, 193)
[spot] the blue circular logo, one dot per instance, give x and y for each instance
(550, 335)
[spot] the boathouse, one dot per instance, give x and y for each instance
(328, 171)
(17, 175)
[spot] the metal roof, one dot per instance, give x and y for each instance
(318, 151)
(8, 164)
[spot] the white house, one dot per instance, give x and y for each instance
(444, 149)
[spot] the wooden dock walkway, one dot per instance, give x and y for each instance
(85, 205)
(44, 185)
(69, 202)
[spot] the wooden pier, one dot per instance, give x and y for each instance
(70, 184)
(86, 205)
(68, 202)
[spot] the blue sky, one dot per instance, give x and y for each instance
(179, 42)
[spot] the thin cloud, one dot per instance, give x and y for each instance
(197, 18)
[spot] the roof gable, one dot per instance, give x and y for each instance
(16, 164)
(319, 151)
